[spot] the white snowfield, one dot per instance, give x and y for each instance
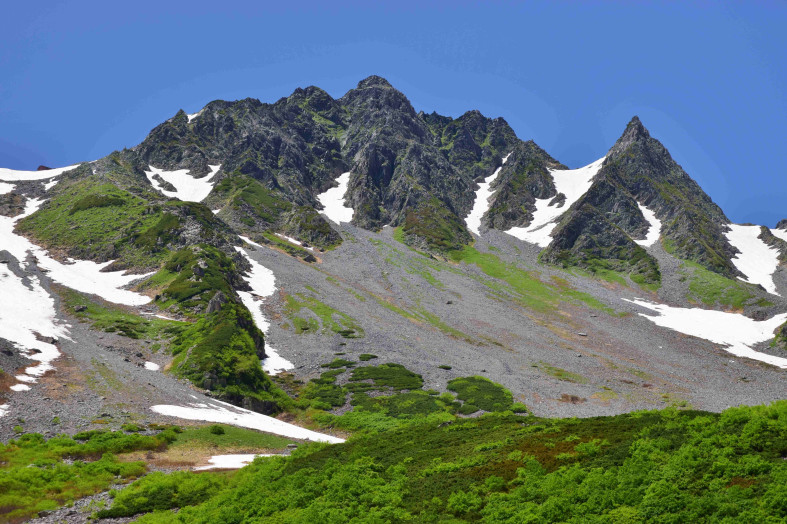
(481, 204)
(81, 275)
(187, 188)
(151, 366)
(263, 284)
(52, 183)
(571, 182)
(13, 175)
(654, 232)
(236, 461)
(249, 241)
(333, 201)
(229, 414)
(734, 332)
(779, 233)
(757, 260)
(6, 188)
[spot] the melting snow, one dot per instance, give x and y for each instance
(82, 275)
(6, 188)
(333, 201)
(3, 409)
(231, 461)
(187, 188)
(757, 260)
(263, 285)
(654, 232)
(13, 175)
(192, 116)
(735, 332)
(249, 241)
(780, 233)
(152, 366)
(571, 182)
(228, 414)
(481, 204)
(294, 241)
(52, 183)
(28, 322)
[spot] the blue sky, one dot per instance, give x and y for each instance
(81, 79)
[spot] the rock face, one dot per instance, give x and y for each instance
(600, 225)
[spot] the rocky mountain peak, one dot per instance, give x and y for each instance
(373, 81)
(634, 132)
(782, 224)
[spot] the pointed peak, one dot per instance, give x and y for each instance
(634, 132)
(373, 81)
(782, 224)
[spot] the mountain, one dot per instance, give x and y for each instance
(355, 265)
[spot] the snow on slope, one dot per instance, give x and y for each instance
(6, 188)
(571, 182)
(654, 232)
(29, 322)
(780, 233)
(231, 461)
(192, 116)
(294, 241)
(187, 188)
(737, 333)
(13, 175)
(757, 260)
(263, 285)
(229, 414)
(333, 201)
(82, 275)
(481, 204)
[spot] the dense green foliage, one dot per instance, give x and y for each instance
(711, 289)
(34, 477)
(480, 393)
(667, 466)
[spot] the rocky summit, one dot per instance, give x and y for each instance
(322, 269)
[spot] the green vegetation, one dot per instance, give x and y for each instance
(525, 286)
(116, 319)
(364, 357)
(394, 376)
(480, 393)
(330, 319)
(667, 466)
(220, 436)
(436, 226)
(712, 288)
(98, 221)
(562, 374)
(34, 476)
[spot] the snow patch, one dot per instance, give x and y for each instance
(780, 233)
(152, 366)
(571, 182)
(192, 116)
(49, 185)
(228, 414)
(294, 241)
(481, 204)
(3, 410)
(736, 333)
(187, 188)
(263, 284)
(654, 232)
(333, 201)
(231, 461)
(20, 387)
(249, 241)
(757, 260)
(13, 175)
(6, 188)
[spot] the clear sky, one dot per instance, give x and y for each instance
(81, 79)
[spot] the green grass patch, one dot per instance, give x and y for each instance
(562, 374)
(480, 393)
(394, 376)
(714, 289)
(232, 437)
(364, 357)
(331, 320)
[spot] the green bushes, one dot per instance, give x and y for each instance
(394, 376)
(480, 393)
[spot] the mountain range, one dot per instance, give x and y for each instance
(252, 259)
